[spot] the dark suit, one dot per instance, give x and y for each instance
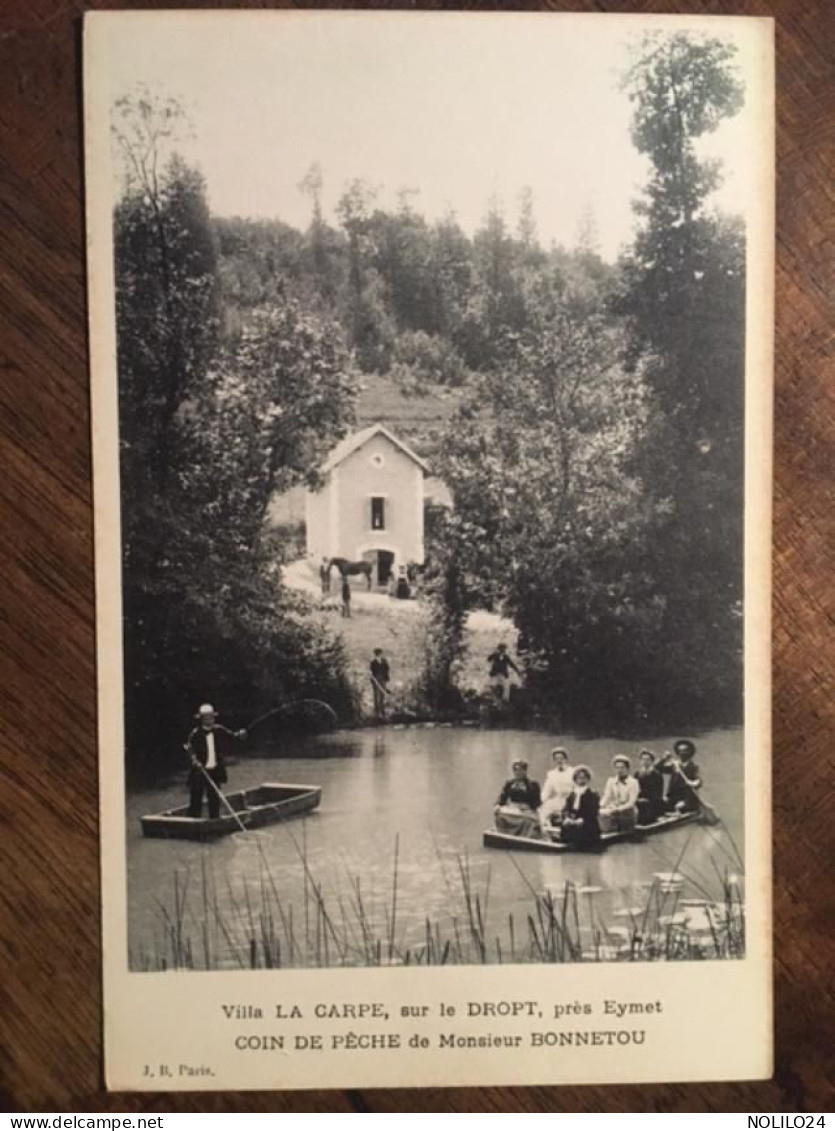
(686, 779)
(650, 796)
(587, 807)
(379, 683)
(198, 748)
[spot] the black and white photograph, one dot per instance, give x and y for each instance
(431, 441)
(430, 389)
(433, 375)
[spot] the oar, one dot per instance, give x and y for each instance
(708, 813)
(222, 797)
(219, 792)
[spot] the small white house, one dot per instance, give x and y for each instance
(371, 504)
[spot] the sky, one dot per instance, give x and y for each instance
(462, 107)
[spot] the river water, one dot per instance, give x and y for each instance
(321, 889)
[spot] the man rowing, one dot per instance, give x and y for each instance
(208, 748)
(686, 778)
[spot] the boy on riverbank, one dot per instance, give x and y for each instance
(380, 676)
(500, 665)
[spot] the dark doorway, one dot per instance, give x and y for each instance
(385, 563)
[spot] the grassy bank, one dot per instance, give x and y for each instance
(400, 628)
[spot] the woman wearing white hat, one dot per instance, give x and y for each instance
(580, 825)
(556, 787)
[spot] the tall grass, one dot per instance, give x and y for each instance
(209, 924)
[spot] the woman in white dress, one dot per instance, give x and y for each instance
(556, 787)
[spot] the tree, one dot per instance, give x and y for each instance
(278, 398)
(496, 304)
(210, 427)
(319, 236)
(402, 257)
(682, 288)
(549, 523)
(371, 327)
(526, 226)
(167, 309)
(682, 86)
(451, 268)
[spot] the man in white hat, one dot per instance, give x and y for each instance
(208, 748)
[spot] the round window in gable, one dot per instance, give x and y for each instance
(377, 459)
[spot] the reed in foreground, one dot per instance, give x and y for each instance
(210, 923)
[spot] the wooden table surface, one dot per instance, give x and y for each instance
(50, 1001)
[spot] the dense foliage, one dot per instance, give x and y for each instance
(682, 291)
(595, 456)
(213, 421)
(597, 465)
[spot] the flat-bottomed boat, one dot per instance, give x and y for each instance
(262, 805)
(550, 842)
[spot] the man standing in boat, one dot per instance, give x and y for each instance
(208, 747)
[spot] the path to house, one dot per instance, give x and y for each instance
(399, 628)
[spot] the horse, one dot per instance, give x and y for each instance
(350, 569)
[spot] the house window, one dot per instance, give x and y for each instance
(378, 513)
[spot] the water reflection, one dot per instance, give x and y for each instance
(430, 792)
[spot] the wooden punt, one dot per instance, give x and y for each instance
(494, 839)
(262, 805)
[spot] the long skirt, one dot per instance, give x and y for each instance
(518, 822)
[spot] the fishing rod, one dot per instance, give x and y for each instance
(283, 707)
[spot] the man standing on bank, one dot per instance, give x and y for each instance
(208, 748)
(500, 665)
(325, 576)
(380, 676)
(346, 596)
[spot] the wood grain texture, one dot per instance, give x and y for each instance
(50, 1001)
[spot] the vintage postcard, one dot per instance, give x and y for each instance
(431, 398)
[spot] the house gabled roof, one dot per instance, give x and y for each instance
(356, 440)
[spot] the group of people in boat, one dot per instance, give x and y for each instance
(568, 806)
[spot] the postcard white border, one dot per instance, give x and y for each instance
(718, 1015)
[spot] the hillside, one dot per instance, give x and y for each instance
(418, 421)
